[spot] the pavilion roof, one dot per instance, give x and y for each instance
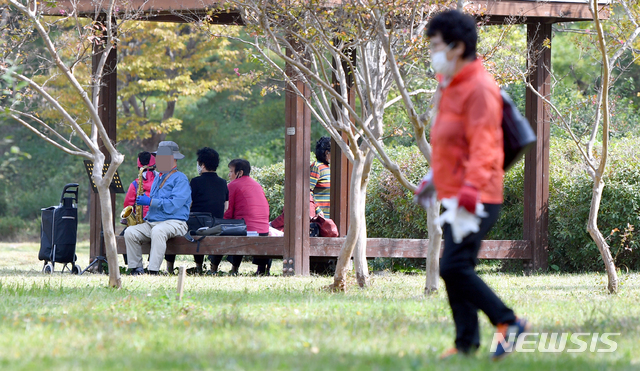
(498, 11)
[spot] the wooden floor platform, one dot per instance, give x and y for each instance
(330, 247)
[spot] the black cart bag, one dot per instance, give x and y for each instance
(59, 230)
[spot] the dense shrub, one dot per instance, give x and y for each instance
(570, 245)
(272, 180)
(11, 227)
(391, 212)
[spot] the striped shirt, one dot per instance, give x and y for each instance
(320, 183)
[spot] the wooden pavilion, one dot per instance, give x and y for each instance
(296, 247)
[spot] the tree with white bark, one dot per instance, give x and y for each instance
(33, 46)
(341, 51)
(611, 40)
(357, 59)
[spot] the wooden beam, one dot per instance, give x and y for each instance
(497, 11)
(536, 170)
(414, 248)
(254, 246)
(532, 12)
(330, 247)
(297, 172)
(108, 113)
(181, 11)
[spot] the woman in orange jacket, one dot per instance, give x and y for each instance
(467, 162)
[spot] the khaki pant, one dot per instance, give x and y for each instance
(156, 232)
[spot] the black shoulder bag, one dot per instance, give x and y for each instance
(225, 227)
(198, 220)
(517, 134)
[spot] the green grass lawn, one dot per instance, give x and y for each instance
(65, 322)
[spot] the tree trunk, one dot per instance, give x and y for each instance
(433, 253)
(109, 234)
(168, 112)
(151, 144)
(360, 257)
(592, 227)
(356, 222)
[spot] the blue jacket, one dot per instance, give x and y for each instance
(172, 201)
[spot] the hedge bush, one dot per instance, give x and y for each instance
(12, 227)
(271, 178)
(391, 213)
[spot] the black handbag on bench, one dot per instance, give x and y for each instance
(217, 227)
(199, 220)
(225, 227)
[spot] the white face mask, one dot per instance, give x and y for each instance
(441, 64)
(199, 168)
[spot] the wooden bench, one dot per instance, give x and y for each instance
(330, 247)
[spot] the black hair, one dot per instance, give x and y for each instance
(144, 158)
(241, 164)
(322, 146)
(209, 158)
(455, 26)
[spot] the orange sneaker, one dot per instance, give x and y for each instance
(506, 337)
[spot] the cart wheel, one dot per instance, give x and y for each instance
(48, 269)
(76, 269)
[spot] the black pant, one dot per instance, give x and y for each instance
(124, 255)
(264, 265)
(199, 259)
(235, 260)
(467, 292)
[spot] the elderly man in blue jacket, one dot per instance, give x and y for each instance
(169, 203)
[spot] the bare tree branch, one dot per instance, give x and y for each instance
(81, 153)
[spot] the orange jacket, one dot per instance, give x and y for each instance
(467, 136)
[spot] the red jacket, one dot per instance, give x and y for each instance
(130, 197)
(247, 201)
(467, 136)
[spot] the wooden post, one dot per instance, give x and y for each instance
(341, 167)
(108, 112)
(340, 175)
(296, 190)
(536, 169)
(182, 272)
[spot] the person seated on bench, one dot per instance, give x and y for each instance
(144, 159)
(246, 201)
(209, 194)
(320, 176)
(169, 203)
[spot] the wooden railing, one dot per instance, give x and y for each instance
(330, 247)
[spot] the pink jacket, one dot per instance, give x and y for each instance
(130, 197)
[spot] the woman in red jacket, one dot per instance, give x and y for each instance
(247, 201)
(467, 162)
